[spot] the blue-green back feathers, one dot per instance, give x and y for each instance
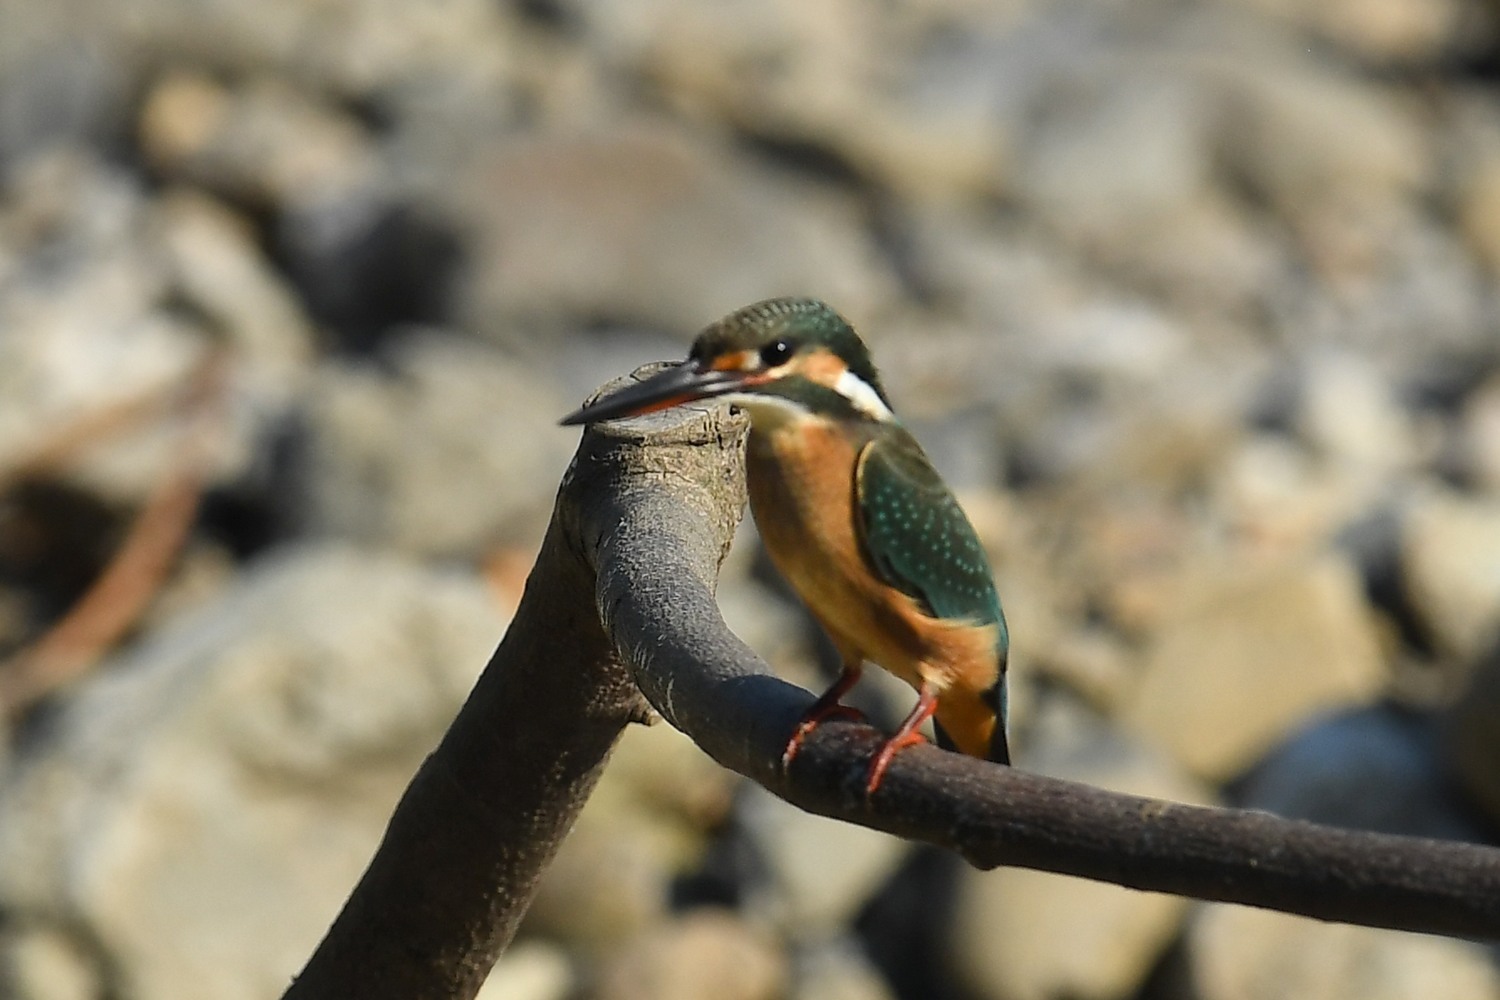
(917, 535)
(920, 541)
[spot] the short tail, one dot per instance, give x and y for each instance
(973, 720)
(996, 699)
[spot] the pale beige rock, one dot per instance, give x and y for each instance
(608, 883)
(657, 770)
(646, 821)
(836, 970)
(1388, 31)
(1479, 204)
(530, 970)
(1278, 496)
(1025, 935)
(702, 955)
(265, 142)
(200, 809)
(780, 67)
(217, 266)
(1350, 413)
(1451, 554)
(44, 963)
(1248, 653)
(1480, 429)
(1239, 953)
(1095, 663)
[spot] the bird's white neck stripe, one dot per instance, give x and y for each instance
(864, 397)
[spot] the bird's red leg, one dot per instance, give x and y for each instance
(826, 707)
(904, 737)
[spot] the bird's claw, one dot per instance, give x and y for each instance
(885, 755)
(813, 721)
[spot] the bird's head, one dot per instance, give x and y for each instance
(779, 358)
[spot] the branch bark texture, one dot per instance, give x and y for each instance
(620, 605)
(485, 814)
(655, 599)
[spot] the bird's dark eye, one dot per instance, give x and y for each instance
(775, 353)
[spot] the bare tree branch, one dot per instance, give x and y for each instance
(640, 526)
(460, 860)
(655, 598)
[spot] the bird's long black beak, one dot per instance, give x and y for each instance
(680, 384)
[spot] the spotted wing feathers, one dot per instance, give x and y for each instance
(917, 535)
(920, 541)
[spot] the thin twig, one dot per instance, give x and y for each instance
(135, 573)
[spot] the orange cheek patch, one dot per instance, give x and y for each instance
(823, 367)
(735, 361)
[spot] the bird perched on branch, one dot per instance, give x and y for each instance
(854, 516)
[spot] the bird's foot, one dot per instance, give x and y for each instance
(812, 720)
(886, 754)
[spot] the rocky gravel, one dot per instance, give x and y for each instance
(1196, 303)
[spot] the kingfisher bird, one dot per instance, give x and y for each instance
(854, 515)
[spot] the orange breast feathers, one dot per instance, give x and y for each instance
(802, 493)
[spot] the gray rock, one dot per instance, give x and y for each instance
(80, 323)
(64, 78)
(215, 265)
(822, 871)
(649, 225)
(355, 48)
(1031, 935)
(1375, 768)
(449, 450)
(1299, 132)
(94, 278)
(193, 816)
(1119, 162)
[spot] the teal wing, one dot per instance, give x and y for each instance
(920, 541)
(917, 535)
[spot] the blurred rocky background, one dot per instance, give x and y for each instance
(1197, 302)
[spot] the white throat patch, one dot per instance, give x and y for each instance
(864, 397)
(766, 411)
